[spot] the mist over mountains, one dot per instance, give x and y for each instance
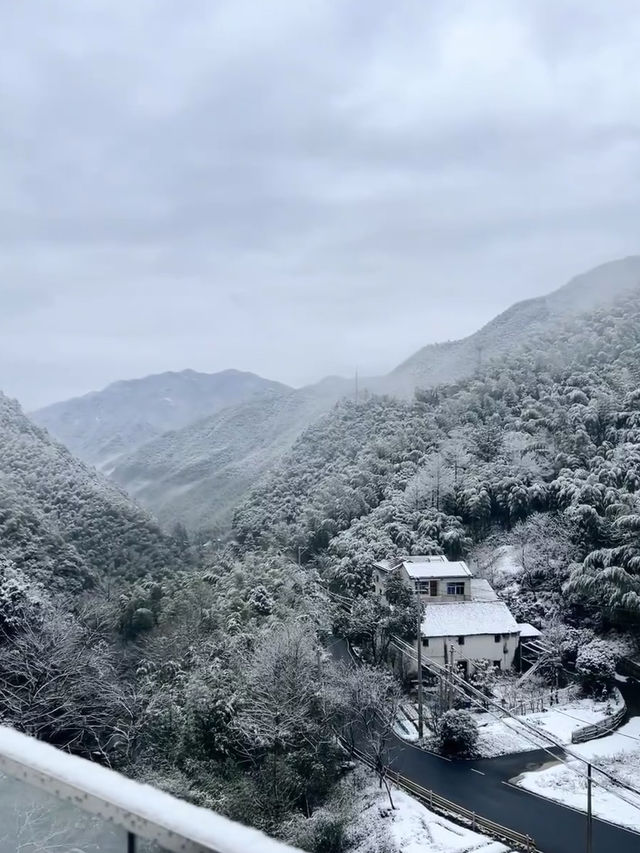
(100, 426)
(188, 446)
(451, 361)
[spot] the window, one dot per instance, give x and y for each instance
(496, 638)
(427, 587)
(425, 642)
(461, 641)
(455, 589)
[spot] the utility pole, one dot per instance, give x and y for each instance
(420, 702)
(356, 385)
(451, 690)
(589, 812)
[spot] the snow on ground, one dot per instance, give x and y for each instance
(504, 737)
(412, 828)
(618, 753)
(405, 730)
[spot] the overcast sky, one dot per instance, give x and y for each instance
(299, 188)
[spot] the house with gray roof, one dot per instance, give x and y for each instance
(463, 619)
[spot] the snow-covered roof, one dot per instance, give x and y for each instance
(481, 590)
(426, 558)
(465, 618)
(388, 565)
(433, 569)
(527, 630)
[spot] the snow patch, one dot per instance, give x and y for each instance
(502, 737)
(618, 754)
(412, 828)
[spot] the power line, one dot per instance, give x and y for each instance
(464, 688)
(536, 733)
(562, 746)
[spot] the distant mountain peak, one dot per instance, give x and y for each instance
(100, 426)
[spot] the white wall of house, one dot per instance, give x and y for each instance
(448, 589)
(500, 652)
(430, 589)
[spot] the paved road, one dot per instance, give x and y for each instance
(555, 828)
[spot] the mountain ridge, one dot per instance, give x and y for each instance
(101, 425)
(584, 292)
(188, 476)
(195, 474)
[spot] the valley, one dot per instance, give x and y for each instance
(191, 460)
(528, 468)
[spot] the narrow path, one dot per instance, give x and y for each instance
(483, 786)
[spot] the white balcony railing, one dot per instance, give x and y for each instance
(50, 800)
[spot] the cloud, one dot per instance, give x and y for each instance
(299, 188)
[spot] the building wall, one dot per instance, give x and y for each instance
(379, 579)
(442, 593)
(476, 647)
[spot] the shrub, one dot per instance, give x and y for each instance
(595, 666)
(324, 832)
(457, 733)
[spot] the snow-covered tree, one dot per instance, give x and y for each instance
(366, 702)
(457, 733)
(595, 666)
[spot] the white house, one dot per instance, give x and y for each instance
(463, 619)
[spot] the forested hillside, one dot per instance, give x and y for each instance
(81, 574)
(197, 474)
(63, 524)
(549, 437)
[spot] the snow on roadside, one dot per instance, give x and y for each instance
(618, 753)
(502, 738)
(411, 828)
(405, 730)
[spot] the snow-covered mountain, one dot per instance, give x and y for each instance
(101, 426)
(197, 474)
(451, 361)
